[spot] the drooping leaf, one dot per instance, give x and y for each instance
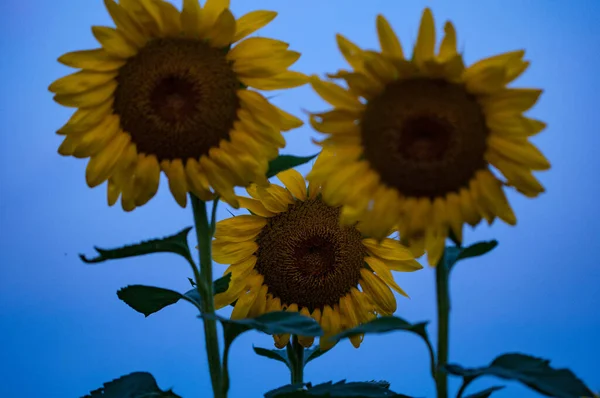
(536, 373)
(222, 284)
(485, 393)
(151, 299)
(384, 325)
(369, 389)
(279, 322)
(285, 162)
(171, 244)
(278, 355)
(453, 254)
(133, 385)
(477, 249)
(312, 353)
(148, 299)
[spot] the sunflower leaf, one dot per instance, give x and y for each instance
(384, 325)
(222, 284)
(150, 299)
(535, 373)
(171, 244)
(485, 393)
(455, 254)
(279, 322)
(285, 162)
(134, 385)
(278, 355)
(310, 354)
(342, 389)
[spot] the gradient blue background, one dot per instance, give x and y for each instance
(64, 331)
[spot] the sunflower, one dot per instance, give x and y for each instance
(292, 254)
(168, 92)
(414, 141)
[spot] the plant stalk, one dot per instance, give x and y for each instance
(443, 312)
(205, 288)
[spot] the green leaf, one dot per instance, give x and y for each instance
(151, 299)
(369, 389)
(536, 373)
(222, 284)
(285, 162)
(310, 354)
(279, 322)
(133, 385)
(384, 325)
(171, 244)
(453, 255)
(485, 393)
(148, 299)
(278, 355)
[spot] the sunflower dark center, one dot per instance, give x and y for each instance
(307, 258)
(177, 98)
(425, 137)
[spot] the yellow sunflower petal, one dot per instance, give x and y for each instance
(96, 139)
(387, 249)
(255, 206)
(425, 45)
(225, 252)
(245, 303)
(351, 52)
(93, 60)
(147, 178)
(519, 151)
(125, 24)
(378, 291)
(294, 182)
(511, 101)
(390, 45)
(239, 228)
(210, 13)
(169, 17)
(260, 303)
(381, 269)
(454, 214)
(380, 68)
(251, 22)
(265, 67)
(517, 175)
(102, 164)
(256, 47)
(191, 18)
(491, 189)
(81, 81)
(335, 95)
(88, 99)
(284, 80)
(234, 291)
(435, 238)
(467, 208)
(177, 180)
(274, 198)
(221, 34)
(113, 42)
(287, 121)
(448, 46)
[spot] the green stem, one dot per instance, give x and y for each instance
(443, 311)
(204, 236)
(463, 387)
(298, 362)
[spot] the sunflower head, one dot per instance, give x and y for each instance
(417, 143)
(292, 254)
(167, 92)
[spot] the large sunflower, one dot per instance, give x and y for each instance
(292, 254)
(167, 92)
(413, 140)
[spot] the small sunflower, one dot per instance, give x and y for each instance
(413, 140)
(292, 254)
(167, 92)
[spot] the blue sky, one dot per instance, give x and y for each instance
(63, 331)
